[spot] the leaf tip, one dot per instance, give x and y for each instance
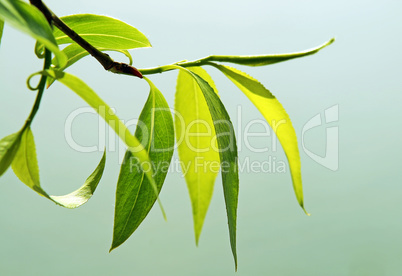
(305, 211)
(332, 40)
(113, 246)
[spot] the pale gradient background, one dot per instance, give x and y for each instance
(355, 227)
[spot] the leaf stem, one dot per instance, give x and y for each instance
(104, 59)
(41, 89)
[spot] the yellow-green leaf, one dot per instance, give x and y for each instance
(102, 31)
(197, 147)
(90, 97)
(227, 152)
(276, 116)
(25, 167)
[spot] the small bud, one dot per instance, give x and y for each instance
(122, 68)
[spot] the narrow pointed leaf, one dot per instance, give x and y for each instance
(90, 97)
(134, 194)
(196, 138)
(102, 31)
(276, 116)
(261, 60)
(227, 152)
(25, 167)
(30, 20)
(8, 148)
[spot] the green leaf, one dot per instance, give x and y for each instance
(102, 31)
(227, 152)
(262, 60)
(85, 192)
(134, 194)
(276, 116)
(196, 139)
(30, 20)
(25, 167)
(90, 97)
(1, 29)
(25, 164)
(8, 148)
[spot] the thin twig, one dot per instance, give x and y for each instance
(107, 62)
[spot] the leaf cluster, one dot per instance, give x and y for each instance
(204, 122)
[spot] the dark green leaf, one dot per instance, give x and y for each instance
(276, 116)
(266, 59)
(102, 31)
(25, 167)
(8, 148)
(30, 20)
(134, 194)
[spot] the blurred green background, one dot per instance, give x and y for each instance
(355, 227)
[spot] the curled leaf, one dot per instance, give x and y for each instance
(90, 97)
(25, 167)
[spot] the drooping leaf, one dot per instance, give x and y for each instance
(134, 194)
(8, 148)
(90, 97)
(25, 167)
(85, 192)
(261, 60)
(227, 152)
(1, 29)
(30, 20)
(102, 31)
(196, 139)
(276, 116)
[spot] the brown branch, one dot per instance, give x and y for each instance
(107, 62)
